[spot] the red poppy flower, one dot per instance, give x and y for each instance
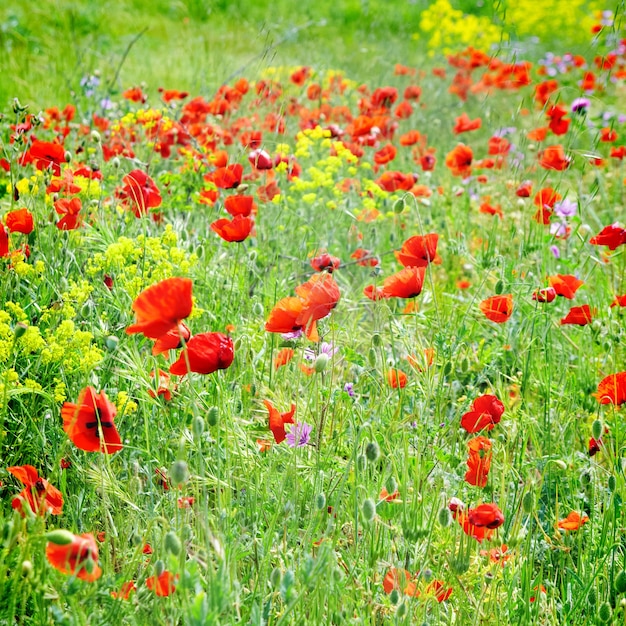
(227, 177)
(400, 579)
(45, 155)
(595, 445)
(478, 461)
(283, 357)
(565, 285)
(419, 251)
(206, 353)
(39, 495)
(325, 262)
(497, 308)
(612, 389)
(89, 423)
(579, 315)
(240, 205)
(374, 293)
(125, 590)
(161, 307)
(162, 585)
(70, 210)
(282, 318)
(171, 340)
(141, 191)
(459, 160)
(404, 110)
(573, 521)
(480, 533)
(78, 558)
(4, 241)
(486, 412)
(396, 378)
(20, 221)
(612, 236)
(260, 160)
(236, 230)
(619, 301)
(320, 295)
(134, 94)
(464, 124)
(394, 181)
(385, 496)
(164, 387)
(437, 588)
(386, 154)
(544, 295)
(406, 283)
(524, 190)
(364, 258)
(554, 158)
(486, 515)
(277, 420)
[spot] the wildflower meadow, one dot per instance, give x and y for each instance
(323, 344)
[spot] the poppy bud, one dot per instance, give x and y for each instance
(561, 464)
(321, 362)
(398, 206)
(620, 582)
(612, 483)
(391, 485)
(499, 288)
(377, 340)
(401, 610)
(605, 612)
(27, 569)
(20, 329)
(115, 162)
(197, 426)
(275, 577)
(372, 451)
(394, 596)
(111, 342)
(320, 501)
(68, 156)
(159, 568)
(179, 473)
(592, 597)
(89, 564)
(257, 309)
(445, 516)
(460, 565)
(585, 480)
(371, 357)
(60, 537)
(172, 543)
(528, 502)
(212, 416)
(369, 509)
(95, 136)
(361, 461)
(596, 429)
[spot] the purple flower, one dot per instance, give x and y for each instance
(558, 229)
(299, 435)
(580, 105)
(349, 389)
(326, 348)
(555, 251)
(294, 334)
(565, 208)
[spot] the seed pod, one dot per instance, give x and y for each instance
(369, 509)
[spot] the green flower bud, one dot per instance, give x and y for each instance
(172, 543)
(212, 416)
(60, 537)
(111, 342)
(321, 362)
(371, 357)
(361, 462)
(179, 473)
(612, 484)
(592, 597)
(372, 452)
(394, 596)
(320, 501)
(257, 309)
(605, 612)
(391, 485)
(275, 577)
(377, 340)
(398, 206)
(444, 517)
(369, 509)
(528, 502)
(197, 426)
(401, 610)
(620, 582)
(596, 429)
(499, 287)
(27, 569)
(159, 568)
(20, 329)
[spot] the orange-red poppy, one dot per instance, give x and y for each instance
(406, 283)
(374, 293)
(554, 158)
(70, 210)
(38, 494)
(400, 579)
(463, 124)
(204, 354)
(497, 555)
(125, 590)
(419, 251)
(164, 386)
(573, 521)
(161, 307)
(497, 308)
(320, 295)
(565, 285)
(283, 316)
(579, 315)
(277, 420)
(283, 357)
(90, 422)
(45, 155)
(612, 389)
(325, 262)
(385, 154)
(459, 160)
(236, 230)
(163, 584)
(172, 339)
(141, 192)
(486, 515)
(548, 294)
(478, 461)
(486, 412)
(240, 205)
(227, 177)
(612, 236)
(396, 379)
(78, 558)
(619, 301)
(365, 258)
(20, 221)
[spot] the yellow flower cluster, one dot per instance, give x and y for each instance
(549, 19)
(136, 263)
(124, 405)
(448, 30)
